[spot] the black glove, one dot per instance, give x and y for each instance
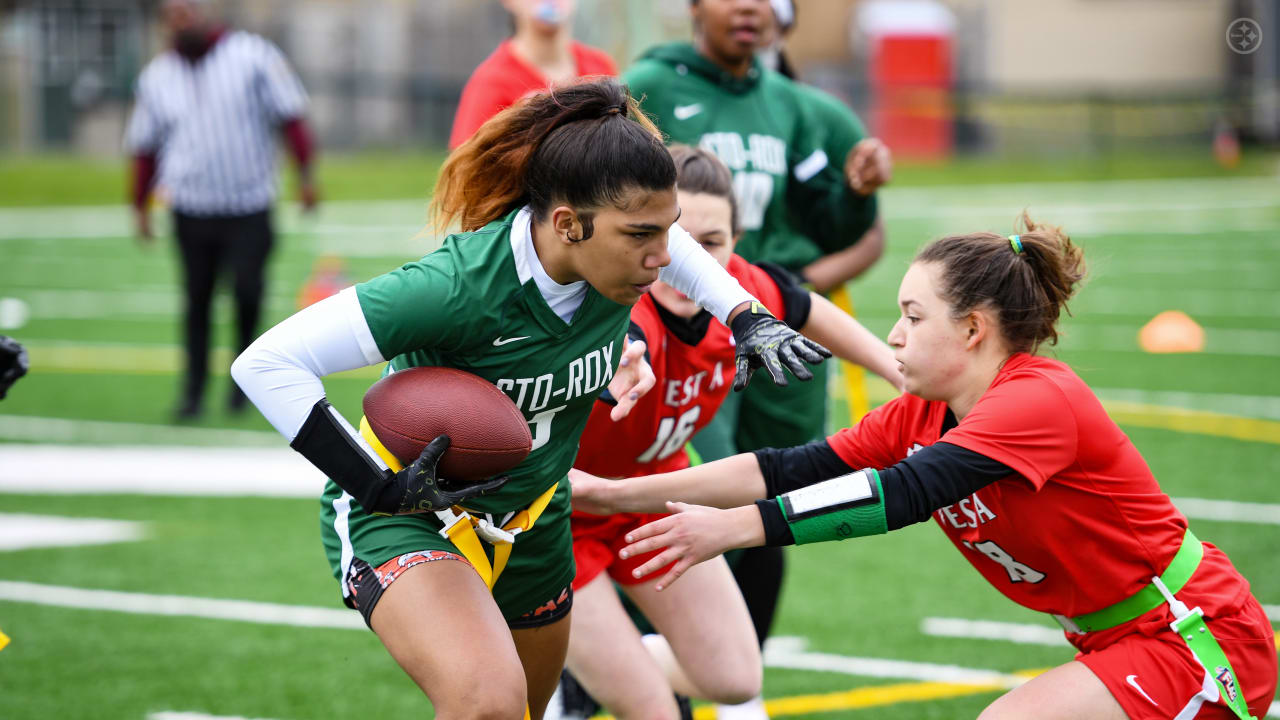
(13, 363)
(764, 340)
(418, 488)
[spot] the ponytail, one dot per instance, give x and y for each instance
(585, 145)
(1027, 278)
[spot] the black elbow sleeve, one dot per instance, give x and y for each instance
(326, 443)
(786, 469)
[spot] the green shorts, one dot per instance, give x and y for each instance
(531, 591)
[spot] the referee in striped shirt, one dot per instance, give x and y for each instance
(203, 128)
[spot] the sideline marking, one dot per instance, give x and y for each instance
(213, 472)
(306, 616)
(21, 531)
(1229, 511)
(170, 715)
(77, 433)
(1020, 633)
(180, 606)
(1198, 422)
(790, 653)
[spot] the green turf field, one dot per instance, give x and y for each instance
(860, 621)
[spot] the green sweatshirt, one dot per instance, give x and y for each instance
(793, 202)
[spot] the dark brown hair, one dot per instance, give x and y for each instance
(585, 145)
(698, 171)
(1027, 289)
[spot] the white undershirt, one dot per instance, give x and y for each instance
(280, 372)
(564, 300)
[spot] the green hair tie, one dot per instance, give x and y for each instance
(1016, 242)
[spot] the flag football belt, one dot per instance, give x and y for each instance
(1188, 623)
(465, 530)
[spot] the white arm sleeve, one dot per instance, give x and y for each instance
(695, 273)
(280, 372)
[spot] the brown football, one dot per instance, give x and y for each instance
(409, 408)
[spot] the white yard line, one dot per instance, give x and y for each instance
(791, 653)
(779, 653)
(1170, 206)
(218, 472)
(75, 433)
(20, 531)
(1229, 511)
(180, 606)
(1019, 633)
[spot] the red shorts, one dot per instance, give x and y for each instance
(597, 540)
(1156, 676)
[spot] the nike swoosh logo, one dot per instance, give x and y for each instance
(500, 341)
(1133, 680)
(684, 112)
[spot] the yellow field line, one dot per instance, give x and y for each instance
(878, 695)
(1200, 422)
(873, 696)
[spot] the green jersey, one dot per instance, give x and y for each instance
(794, 204)
(474, 305)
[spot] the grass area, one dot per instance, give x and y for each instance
(51, 180)
(103, 335)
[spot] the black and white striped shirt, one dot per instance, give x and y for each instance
(212, 123)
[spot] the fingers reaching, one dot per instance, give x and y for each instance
(634, 378)
(743, 376)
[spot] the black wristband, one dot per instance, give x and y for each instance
(776, 530)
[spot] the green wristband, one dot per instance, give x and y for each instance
(856, 509)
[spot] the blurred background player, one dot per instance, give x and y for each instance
(203, 129)
(795, 203)
(540, 53)
(803, 204)
(707, 648)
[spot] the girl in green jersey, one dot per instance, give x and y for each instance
(567, 203)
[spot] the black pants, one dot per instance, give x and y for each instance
(208, 245)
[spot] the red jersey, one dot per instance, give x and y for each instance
(503, 79)
(694, 376)
(1082, 524)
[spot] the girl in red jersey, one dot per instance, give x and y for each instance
(1016, 460)
(708, 647)
(540, 54)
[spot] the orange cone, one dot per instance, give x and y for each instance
(328, 277)
(1171, 331)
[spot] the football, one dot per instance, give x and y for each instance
(409, 408)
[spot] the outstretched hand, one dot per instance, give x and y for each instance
(690, 535)
(633, 379)
(765, 341)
